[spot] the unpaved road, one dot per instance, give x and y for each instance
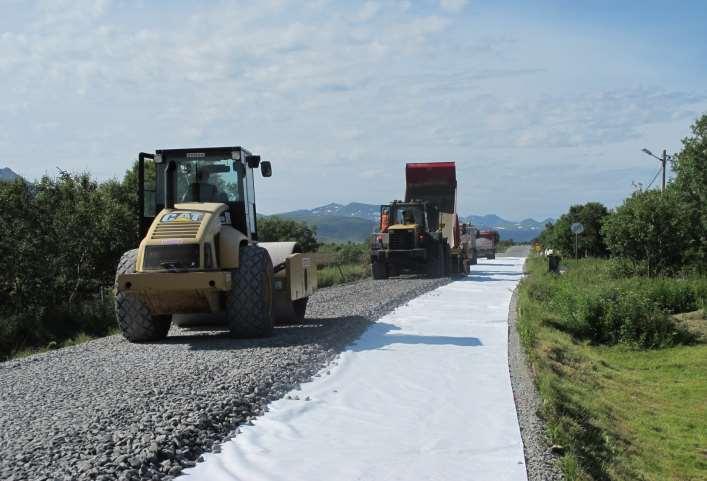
(516, 251)
(424, 394)
(109, 409)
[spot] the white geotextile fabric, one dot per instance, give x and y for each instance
(424, 394)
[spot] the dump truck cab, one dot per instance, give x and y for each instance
(199, 252)
(486, 243)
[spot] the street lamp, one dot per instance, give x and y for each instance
(663, 161)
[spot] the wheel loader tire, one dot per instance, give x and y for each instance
(249, 304)
(134, 319)
(436, 264)
(380, 270)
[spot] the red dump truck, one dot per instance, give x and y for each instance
(486, 244)
(422, 233)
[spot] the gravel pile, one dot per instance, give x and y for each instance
(108, 409)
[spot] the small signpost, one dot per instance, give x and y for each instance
(537, 247)
(576, 229)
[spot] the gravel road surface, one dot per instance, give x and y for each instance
(109, 409)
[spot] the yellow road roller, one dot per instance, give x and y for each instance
(200, 254)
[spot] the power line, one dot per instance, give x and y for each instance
(660, 169)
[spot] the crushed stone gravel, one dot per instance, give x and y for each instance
(541, 463)
(111, 410)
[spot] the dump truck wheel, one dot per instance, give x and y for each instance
(134, 319)
(249, 304)
(379, 269)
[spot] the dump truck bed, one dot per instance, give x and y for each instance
(434, 182)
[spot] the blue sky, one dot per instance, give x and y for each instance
(541, 104)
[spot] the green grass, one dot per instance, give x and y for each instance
(620, 410)
(339, 274)
(350, 262)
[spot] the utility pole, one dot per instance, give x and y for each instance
(663, 164)
(664, 160)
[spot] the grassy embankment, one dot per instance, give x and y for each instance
(623, 379)
(345, 263)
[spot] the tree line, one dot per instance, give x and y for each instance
(651, 232)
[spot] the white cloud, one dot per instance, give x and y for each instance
(349, 93)
(367, 11)
(453, 6)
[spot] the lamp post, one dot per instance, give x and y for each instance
(663, 160)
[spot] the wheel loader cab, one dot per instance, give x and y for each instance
(409, 214)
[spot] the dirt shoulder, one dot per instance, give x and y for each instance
(541, 463)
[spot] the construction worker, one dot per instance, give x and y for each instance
(385, 220)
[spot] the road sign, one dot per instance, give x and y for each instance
(577, 228)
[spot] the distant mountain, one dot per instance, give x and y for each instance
(354, 209)
(355, 221)
(6, 174)
(334, 228)
(495, 222)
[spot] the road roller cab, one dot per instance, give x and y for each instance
(199, 252)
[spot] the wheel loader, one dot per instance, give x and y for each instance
(422, 234)
(408, 240)
(200, 254)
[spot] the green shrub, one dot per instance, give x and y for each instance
(650, 227)
(699, 287)
(606, 310)
(539, 290)
(624, 316)
(671, 295)
(621, 268)
(63, 238)
(277, 229)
